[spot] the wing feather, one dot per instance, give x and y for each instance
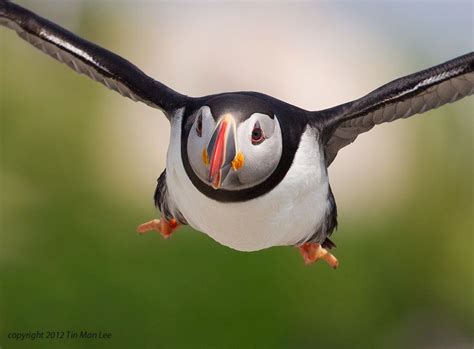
(401, 98)
(89, 59)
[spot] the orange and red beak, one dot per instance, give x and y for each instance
(221, 152)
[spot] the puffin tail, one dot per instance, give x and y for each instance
(328, 244)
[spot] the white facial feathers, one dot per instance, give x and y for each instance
(261, 159)
(257, 143)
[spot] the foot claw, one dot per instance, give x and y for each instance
(312, 252)
(165, 228)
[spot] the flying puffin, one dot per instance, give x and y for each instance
(245, 168)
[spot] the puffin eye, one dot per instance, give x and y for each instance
(257, 134)
(199, 126)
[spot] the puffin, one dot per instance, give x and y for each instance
(245, 168)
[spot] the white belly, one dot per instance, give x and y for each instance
(290, 213)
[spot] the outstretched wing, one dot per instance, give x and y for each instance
(89, 59)
(401, 98)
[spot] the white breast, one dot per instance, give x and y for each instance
(289, 213)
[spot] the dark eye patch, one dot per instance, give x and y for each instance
(199, 125)
(257, 134)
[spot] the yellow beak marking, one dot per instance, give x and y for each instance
(205, 157)
(238, 162)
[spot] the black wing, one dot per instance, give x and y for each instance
(89, 59)
(401, 98)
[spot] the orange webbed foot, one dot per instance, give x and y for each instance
(162, 226)
(312, 252)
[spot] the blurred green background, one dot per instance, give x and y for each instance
(79, 165)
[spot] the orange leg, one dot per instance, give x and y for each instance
(312, 252)
(165, 228)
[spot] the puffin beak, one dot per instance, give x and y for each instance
(221, 153)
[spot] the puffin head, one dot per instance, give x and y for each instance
(234, 142)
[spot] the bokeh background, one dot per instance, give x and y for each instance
(79, 165)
